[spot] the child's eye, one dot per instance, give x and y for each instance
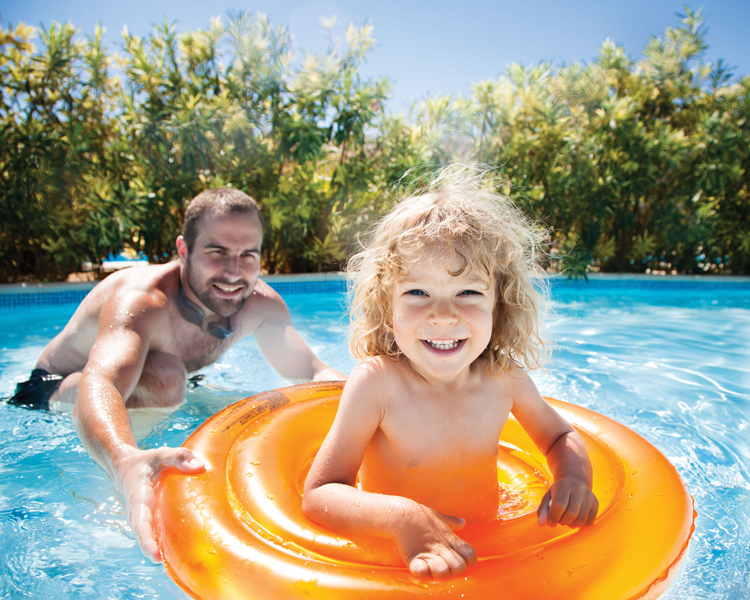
(416, 293)
(469, 293)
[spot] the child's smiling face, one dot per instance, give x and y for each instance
(442, 322)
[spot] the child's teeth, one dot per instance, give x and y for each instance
(443, 345)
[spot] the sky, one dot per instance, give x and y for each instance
(428, 47)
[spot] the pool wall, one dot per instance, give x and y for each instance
(45, 294)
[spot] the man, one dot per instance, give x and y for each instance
(134, 338)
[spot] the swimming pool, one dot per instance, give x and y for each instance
(670, 361)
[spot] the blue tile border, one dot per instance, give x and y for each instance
(691, 284)
(332, 286)
(31, 299)
(14, 296)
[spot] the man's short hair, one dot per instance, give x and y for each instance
(219, 201)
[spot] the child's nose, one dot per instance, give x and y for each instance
(444, 312)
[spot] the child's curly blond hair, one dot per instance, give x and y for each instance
(460, 211)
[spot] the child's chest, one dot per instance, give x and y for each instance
(434, 432)
(440, 457)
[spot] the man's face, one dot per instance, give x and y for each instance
(223, 266)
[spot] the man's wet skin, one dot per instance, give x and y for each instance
(137, 336)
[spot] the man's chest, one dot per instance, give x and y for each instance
(196, 348)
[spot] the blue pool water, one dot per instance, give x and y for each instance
(673, 365)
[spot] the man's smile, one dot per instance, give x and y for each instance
(228, 290)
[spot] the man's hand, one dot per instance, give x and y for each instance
(427, 544)
(568, 502)
(135, 477)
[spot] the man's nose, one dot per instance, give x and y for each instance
(232, 266)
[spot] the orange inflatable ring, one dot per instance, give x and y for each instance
(237, 530)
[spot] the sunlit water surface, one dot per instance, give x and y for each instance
(674, 366)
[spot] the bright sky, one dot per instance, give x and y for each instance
(435, 46)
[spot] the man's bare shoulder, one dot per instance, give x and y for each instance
(136, 292)
(264, 303)
(265, 294)
(137, 298)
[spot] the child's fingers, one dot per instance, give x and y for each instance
(583, 518)
(466, 551)
(582, 509)
(590, 515)
(454, 561)
(439, 564)
(419, 567)
(567, 507)
(542, 512)
(453, 522)
(593, 513)
(429, 565)
(558, 505)
(572, 510)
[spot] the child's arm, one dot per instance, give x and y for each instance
(423, 536)
(570, 500)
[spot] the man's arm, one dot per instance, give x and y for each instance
(111, 374)
(283, 347)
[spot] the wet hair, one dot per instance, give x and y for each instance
(219, 201)
(457, 211)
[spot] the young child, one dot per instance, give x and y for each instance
(445, 320)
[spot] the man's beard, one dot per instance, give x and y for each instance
(204, 293)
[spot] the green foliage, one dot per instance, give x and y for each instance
(92, 164)
(634, 165)
(55, 126)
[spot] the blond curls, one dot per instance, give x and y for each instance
(458, 209)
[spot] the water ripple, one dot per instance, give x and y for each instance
(675, 368)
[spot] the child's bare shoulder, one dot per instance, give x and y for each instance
(377, 367)
(370, 386)
(507, 380)
(375, 372)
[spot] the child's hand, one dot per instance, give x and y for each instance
(568, 502)
(428, 546)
